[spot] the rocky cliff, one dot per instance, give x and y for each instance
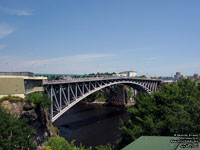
(37, 117)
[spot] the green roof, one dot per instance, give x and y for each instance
(156, 143)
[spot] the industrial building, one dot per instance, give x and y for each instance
(20, 83)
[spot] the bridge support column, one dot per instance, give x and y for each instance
(51, 90)
(121, 97)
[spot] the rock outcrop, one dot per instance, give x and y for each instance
(38, 118)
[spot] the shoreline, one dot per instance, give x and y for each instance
(109, 104)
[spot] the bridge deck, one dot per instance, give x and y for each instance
(96, 79)
(65, 94)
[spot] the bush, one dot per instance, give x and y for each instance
(59, 143)
(56, 143)
(39, 100)
(14, 133)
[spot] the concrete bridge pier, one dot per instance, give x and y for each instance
(134, 92)
(121, 95)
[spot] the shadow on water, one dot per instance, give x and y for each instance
(80, 111)
(91, 125)
(85, 122)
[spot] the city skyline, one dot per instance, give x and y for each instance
(76, 37)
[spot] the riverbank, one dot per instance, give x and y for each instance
(109, 104)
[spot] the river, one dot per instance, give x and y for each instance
(91, 124)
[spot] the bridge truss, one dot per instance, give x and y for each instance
(66, 93)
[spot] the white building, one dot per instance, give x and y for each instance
(127, 74)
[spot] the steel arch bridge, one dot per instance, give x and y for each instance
(66, 93)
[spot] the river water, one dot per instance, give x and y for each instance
(91, 124)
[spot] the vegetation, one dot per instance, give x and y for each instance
(39, 100)
(54, 130)
(59, 143)
(11, 98)
(56, 143)
(101, 74)
(142, 76)
(109, 94)
(98, 74)
(54, 77)
(104, 147)
(14, 133)
(99, 96)
(173, 110)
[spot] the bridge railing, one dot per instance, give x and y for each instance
(92, 79)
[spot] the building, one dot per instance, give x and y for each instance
(196, 76)
(161, 143)
(66, 78)
(127, 74)
(30, 74)
(178, 75)
(20, 83)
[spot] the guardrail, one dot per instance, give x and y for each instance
(72, 80)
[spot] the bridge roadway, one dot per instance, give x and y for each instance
(66, 93)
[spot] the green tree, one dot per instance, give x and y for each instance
(14, 133)
(56, 143)
(52, 77)
(142, 76)
(174, 109)
(39, 100)
(59, 143)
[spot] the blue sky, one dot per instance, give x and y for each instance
(84, 36)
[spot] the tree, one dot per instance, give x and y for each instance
(174, 109)
(39, 100)
(59, 143)
(142, 76)
(14, 133)
(52, 77)
(56, 143)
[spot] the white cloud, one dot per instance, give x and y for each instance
(66, 59)
(21, 12)
(18, 12)
(89, 63)
(87, 57)
(2, 46)
(66, 64)
(5, 30)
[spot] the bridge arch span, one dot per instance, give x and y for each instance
(66, 95)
